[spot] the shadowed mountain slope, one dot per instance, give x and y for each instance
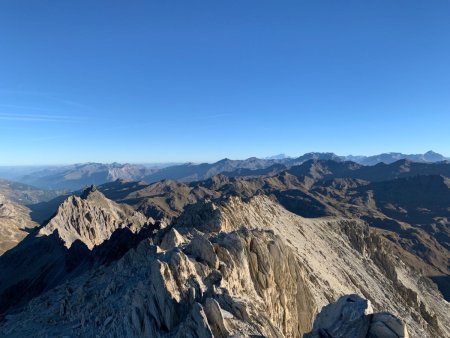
(25, 194)
(325, 170)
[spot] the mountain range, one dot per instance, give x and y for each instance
(78, 176)
(312, 247)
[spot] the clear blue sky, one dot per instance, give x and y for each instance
(156, 81)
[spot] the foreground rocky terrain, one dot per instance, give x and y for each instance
(309, 251)
(235, 267)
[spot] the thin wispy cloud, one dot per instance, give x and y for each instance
(38, 117)
(71, 103)
(24, 92)
(215, 116)
(56, 97)
(15, 106)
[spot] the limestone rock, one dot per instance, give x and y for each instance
(351, 317)
(171, 240)
(348, 317)
(202, 249)
(92, 218)
(215, 318)
(386, 325)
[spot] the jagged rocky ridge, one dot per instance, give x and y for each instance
(235, 267)
(92, 219)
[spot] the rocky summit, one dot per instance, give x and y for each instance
(91, 219)
(325, 249)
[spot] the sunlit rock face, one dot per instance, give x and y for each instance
(92, 219)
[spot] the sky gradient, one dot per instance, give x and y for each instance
(160, 81)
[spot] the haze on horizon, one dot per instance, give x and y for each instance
(348, 157)
(200, 81)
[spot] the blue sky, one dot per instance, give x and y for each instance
(157, 81)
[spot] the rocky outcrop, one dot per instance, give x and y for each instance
(92, 219)
(352, 317)
(387, 325)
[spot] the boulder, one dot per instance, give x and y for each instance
(352, 317)
(202, 249)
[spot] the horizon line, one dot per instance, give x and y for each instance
(171, 162)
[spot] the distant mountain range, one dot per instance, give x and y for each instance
(219, 254)
(277, 157)
(77, 176)
(388, 158)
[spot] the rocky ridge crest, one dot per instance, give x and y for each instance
(239, 269)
